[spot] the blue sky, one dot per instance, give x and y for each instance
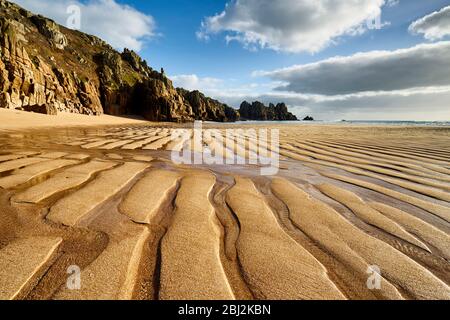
(282, 38)
(179, 51)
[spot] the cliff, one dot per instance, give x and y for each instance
(258, 111)
(47, 68)
(206, 108)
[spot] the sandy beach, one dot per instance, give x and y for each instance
(16, 119)
(102, 195)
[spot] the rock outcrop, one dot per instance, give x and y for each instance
(308, 118)
(28, 81)
(206, 108)
(50, 30)
(48, 68)
(258, 111)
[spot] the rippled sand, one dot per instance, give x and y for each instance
(110, 201)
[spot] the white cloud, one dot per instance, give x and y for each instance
(426, 103)
(291, 25)
(215, 87)
(392, 3)
(120, 25)
(407, 84)
(193, 82)
(434, 26)
(418, 104)
(424, 65)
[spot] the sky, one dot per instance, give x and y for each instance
(332, 59)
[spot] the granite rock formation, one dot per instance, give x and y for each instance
(47, 68)
(206, 108)
(258, 111)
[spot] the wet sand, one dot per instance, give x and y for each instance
(107, 198)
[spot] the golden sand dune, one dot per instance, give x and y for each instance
(30, 172)
(158, 144)
(140, 143)
(113, 274)
(71, 209)
(97, 144)
(368, 214)
(397, 166)
(428, 232)
(348, 207)
(116, 144)
(16, 164)
(10, 157)
(60, 182)
(190, 251)
(23, 263)
(355, 168)
(52, 155)
(273, 263)
(439, 210)
(391, 162)
(336, 234)
(144, 201)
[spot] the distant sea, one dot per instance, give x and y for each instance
(356, 122)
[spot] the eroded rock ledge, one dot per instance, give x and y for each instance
(258, 111)
(47, 68)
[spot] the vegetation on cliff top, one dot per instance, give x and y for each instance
(45, 67)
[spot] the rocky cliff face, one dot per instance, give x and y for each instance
(33, 76)
(206, 108)
(258, 111)
(47, 68)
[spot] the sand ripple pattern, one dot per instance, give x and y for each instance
(110, 201)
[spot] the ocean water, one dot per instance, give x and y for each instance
(356, 122)
(398, 123)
